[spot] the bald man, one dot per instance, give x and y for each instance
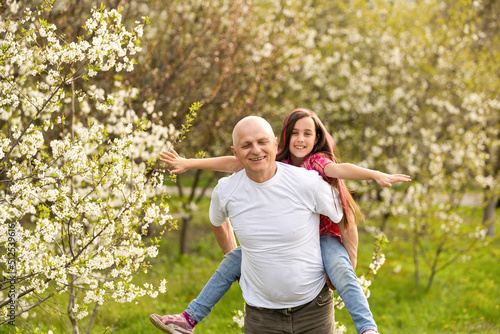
(274, 209)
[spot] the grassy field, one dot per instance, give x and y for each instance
(465, 297)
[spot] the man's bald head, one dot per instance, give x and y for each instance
(255, 146)
(251, 121)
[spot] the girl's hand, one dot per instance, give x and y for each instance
(386, 180)
(179, 164)
(329, 283)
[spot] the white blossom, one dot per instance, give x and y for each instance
(81, 192)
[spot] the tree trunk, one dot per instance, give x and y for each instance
(186, 220)
(385, 220)
(434, 266)
(492, 199)
(187, 204)
(489, 213)
(415, 260)
(74, 323)
(92, 318)
(71, 304)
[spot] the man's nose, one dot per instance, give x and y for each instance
(255, 149)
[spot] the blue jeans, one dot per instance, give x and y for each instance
(229, 271)
(337, 265)
(342, 275)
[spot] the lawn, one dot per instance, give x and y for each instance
(465, 297)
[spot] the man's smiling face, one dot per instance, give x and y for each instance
(255, 147)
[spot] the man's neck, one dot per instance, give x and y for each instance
(263, 176)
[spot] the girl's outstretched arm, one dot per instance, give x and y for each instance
(220, 164)
(352, 172)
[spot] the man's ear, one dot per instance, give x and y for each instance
(234, 151)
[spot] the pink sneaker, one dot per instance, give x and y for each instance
(172, 324)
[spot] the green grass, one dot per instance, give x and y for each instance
(465, 297)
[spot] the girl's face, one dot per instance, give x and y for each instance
(302, 140)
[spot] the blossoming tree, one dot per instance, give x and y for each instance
(407, 87)
(220, 53)
(75, 203)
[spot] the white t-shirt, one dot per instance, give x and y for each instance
(277, 225)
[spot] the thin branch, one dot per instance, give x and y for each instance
(31, 306)
(39, 111)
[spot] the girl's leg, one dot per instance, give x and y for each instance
(229, 271)
(342, 275)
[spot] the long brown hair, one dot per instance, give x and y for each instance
(324, 144)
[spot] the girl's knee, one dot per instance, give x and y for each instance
(342, 274)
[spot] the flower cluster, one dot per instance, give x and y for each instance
(239, 318)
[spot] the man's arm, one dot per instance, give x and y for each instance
(223, 230)
(225, 236)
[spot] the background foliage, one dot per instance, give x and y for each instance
(404, 87)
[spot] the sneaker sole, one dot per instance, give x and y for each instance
(171, 328)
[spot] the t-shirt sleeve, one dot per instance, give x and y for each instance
(217, 213)
(327, 201)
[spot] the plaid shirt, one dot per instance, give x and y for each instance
(318, 162)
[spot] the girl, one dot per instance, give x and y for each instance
(304, 142)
